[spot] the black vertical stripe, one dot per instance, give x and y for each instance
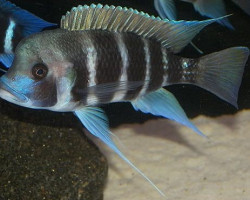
(45, 93)
(109, 61)
(76, 54)
(80, 89)
(174, 68)
(136, 62)
(156, 62)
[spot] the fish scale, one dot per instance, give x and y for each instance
(109, 61)
(157, 66)
(136, 62)
(108, 67)
(106, 54)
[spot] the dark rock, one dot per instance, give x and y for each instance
(39, 161)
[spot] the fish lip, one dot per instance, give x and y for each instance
(12, 93)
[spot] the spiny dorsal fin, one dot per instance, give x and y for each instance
(173, 35)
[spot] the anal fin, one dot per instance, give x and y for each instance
(163, 103)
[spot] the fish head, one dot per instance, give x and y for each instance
(40, 76)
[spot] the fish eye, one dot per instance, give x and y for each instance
(39, 70)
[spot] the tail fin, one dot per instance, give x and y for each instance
(221, 72)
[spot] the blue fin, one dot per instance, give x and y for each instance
(31, 23)
(96, 122)
(6, 59)
(163, 103)
(166, 9)
(213, 9)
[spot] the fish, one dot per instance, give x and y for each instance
(16, 24)
(105, 54)
(208, 8)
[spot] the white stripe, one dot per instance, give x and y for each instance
(165, 66)
(91, 64)
(121, 92)
(8, 48)
(148, 68)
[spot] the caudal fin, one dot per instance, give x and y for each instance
(221, 72)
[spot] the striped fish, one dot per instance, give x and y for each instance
(16, 24)
(103, 54)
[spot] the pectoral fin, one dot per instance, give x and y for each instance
(163, 103)
(96, 122)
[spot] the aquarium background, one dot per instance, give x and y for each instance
(182, 164)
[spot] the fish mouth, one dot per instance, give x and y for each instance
(8, 93)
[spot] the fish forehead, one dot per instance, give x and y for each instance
(56, 44)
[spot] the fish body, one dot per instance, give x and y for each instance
(16, 24)
(105, 54)
(97, 66)
(208, 8)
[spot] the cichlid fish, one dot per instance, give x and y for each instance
(16, 24)
(106, 54)
(208, 8)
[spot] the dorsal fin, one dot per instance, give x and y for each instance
(173, 35)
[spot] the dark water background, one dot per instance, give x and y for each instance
(194, 100)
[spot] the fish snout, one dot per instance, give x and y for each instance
(8, 92)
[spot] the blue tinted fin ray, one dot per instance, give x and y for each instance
(163, 103)
(6, 59)
(166, 9)
(96, 122)
(213, 9)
